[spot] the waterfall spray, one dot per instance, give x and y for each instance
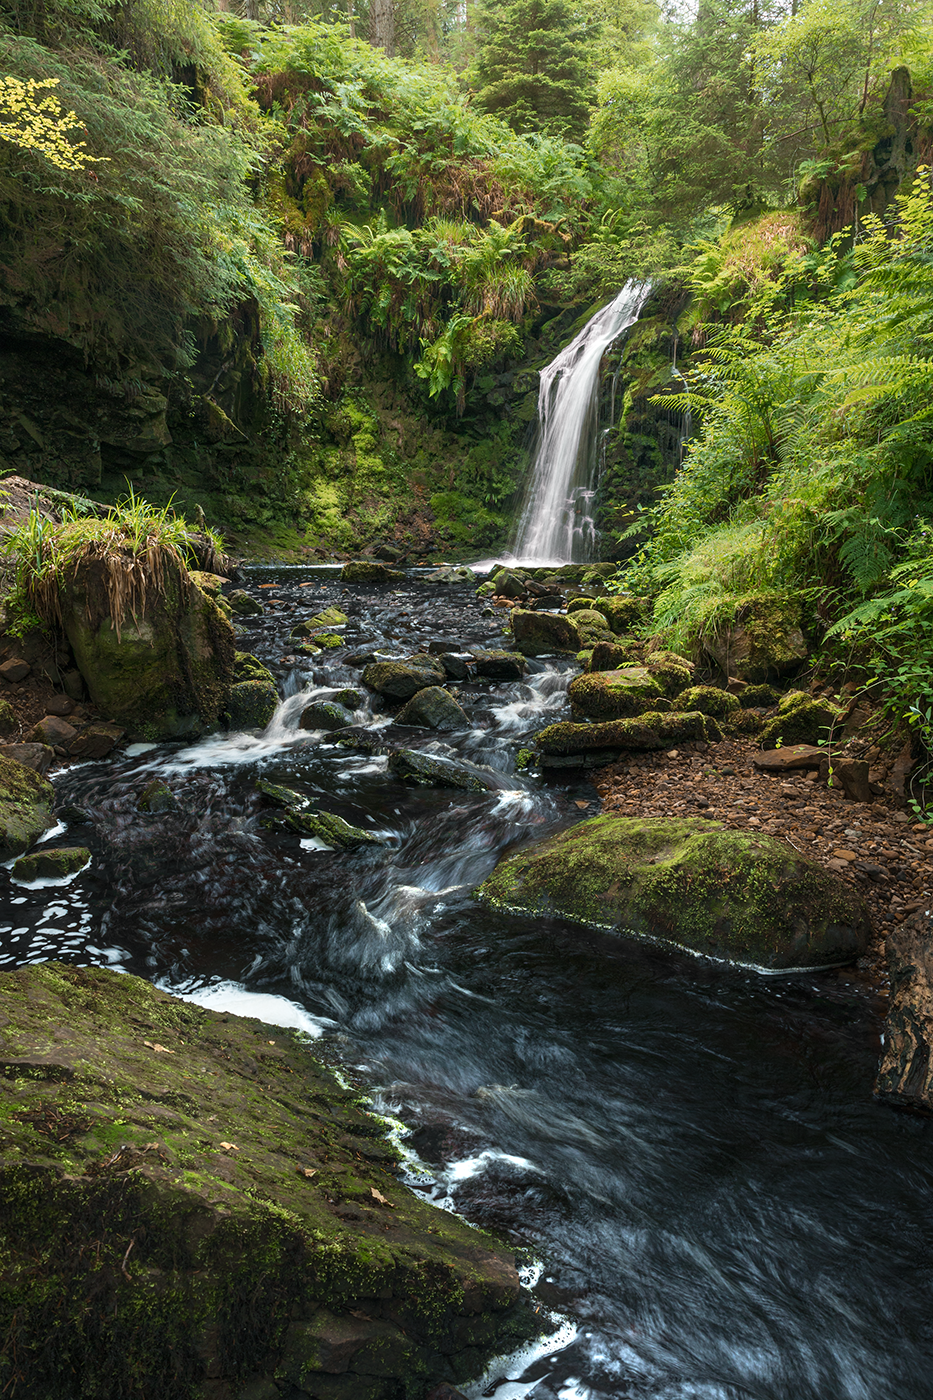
(556, 524)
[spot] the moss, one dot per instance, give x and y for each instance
(26, 802)
(251, 704)
(689, 883)
(650, 730)
(179, 1185)
(327, 641)
(709, 700)
(622, 612)
(800, 720)
(764, 695)
(615, 694)
(9, 724)
(51, 863)
(537, 634)
(157, 796)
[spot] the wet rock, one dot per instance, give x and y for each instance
(610, 656)
(165, 1116)
(689, 883)
(328, 641)
(157, 797)
(73, 685)
(251, 704)
(456, 665)
(486, 590)
(450, 574)
(296, 813)
(166, 670)
(400, 680)
(243, 605)
(53, 731)
(432, 770)
(209, 583)
(763, 643)
(651, 730)
(709, 700)
(433, 708)
(622, 611)
(800, 720)
(8, 721)
(368, 571)
(96, 740)
(905, 1071)
(59, 705)
(498, 665)
(352, 699)
(26, 801)
(38, 757)
(614, 694)
(540, 633)
(50, 863)
(508, 584)
(674, 672)
(14, 670)
(320, 622)
(325, 714)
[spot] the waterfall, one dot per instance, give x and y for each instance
(556, 525)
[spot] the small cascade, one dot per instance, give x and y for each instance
(556, 525)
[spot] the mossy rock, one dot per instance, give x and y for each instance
(673, 672)
(763, 643)
(432, 770)
(9, 724)
(327, 641)
(800, 720)
(368, 571)
(156, 797)
(650, 730)
(540, 634)
(486, 590)
(763, 695)
(325, 827)
(400, 680)
(622, 611)
(578, 602)
(615, 694)
(251, 704)
(164, 672)
(612, 656)
(247, 667)
(211, 584)
(26, 802)
(588, 619)
(243, 605)
(709, 700)
(690, 884)
(744, 722)
(352, 699)
(433, 708)
(50, 863)
(498, 665)
(189, 1194)
(325, 714)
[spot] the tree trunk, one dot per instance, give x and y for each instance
(383, 25)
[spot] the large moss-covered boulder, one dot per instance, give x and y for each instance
(167, 667)
(433, 708)
(496, 665)
(622, 611)
(610, 656)
(615, 694)
(368, 571)
(193, 1206)
(673, 672)
(50, 863)
(709, 700)
(541, 633)
(692, 884)
(26, 802)
(400, 680)
(436, 770)
(800, 720)
(325, 714)
(763, 642)
(253, 698)
(650, 730)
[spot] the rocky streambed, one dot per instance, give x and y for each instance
(691, 1149)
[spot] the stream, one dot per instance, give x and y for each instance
(692, 1150)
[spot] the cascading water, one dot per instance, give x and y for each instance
(556, 524)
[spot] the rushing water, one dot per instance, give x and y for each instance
(693, 1151)
(556, 524)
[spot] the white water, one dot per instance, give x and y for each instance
(556, 525)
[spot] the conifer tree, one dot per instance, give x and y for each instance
(534, 65)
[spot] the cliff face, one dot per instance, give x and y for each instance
(192, 1205)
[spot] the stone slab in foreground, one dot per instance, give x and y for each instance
(747, 898)
(190, 1206)
(905, 1071)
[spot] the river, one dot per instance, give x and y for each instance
(693, 1151)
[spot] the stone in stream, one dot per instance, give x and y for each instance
(50, 863)
(157, 797)
(295, 813)
(800, 720)
(688, 883)
(905, 1071)
(55, 732)
(451, 573)
(352, 699)
(96, 740)
(218, 1156)
(400, 680)
(250, 705)
(456, 664)
(498, 665)
(433, 708)
(321, 621)
(651, 730)
(508, 584)
(614, 694)
(541, 633)
(243, 605)
(26, 801)
(325, 714)
(433, 770)
(368, 571)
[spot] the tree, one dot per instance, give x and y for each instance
(534, 68)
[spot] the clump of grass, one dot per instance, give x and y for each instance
(135, 546)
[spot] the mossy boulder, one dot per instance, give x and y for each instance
(9, 724)
(352, 699)
(296, 813)
(327, 641)
(691, 884)
(578, 602)
(800, 720)
(400, 680)
(50, 863)
(497, 665)
(433, 708)
(764, 695)
(744, 722)
(193, 1205)
(709, 700)
(611, 656)
(325, 714)
(251, 704)
(243, 605)
(591, 625)
(673, 672)
(541, 633)
(763, 642)
(486, 590)
(167, 669)
(157, 797)
(247, 667)
(211, 584)
(622, 611)
(433, 770)
(26, 802)
(508, 584)
(614, 694)
(650, 730)
(368, 571)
